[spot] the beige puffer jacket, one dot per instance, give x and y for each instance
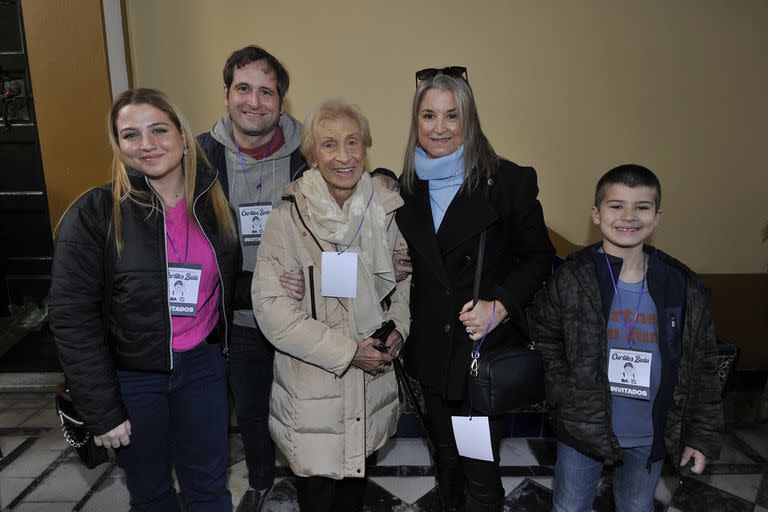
(326, 416)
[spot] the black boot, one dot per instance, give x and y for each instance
(475, 506)
(450, 487)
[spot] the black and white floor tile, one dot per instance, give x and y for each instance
(39, 473)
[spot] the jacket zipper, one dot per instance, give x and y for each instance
(165, 281)
(225, 350)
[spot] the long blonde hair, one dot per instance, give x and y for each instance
(479, 157)
(121, 186)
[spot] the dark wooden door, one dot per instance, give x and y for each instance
(25, 228)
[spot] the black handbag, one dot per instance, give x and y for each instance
(76, 434)
(507, 376)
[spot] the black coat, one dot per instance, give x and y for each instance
(568, 323)
(518, 257)
(135, 313)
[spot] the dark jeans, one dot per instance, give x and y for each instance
(250, 376)
(454, 474)
(323, 494)
(180, 421)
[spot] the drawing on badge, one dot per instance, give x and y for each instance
(628, 375)
(177, 294)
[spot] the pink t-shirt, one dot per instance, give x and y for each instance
(189, 331)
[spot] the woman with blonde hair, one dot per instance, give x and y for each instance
(144, 364)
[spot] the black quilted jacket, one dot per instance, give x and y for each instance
(568, 324)
(130, 329)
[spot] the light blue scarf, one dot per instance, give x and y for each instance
(444, 175)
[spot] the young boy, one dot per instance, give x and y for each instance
(630, 351)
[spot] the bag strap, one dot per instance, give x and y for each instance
(481, 248)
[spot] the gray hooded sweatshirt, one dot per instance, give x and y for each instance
(244, 175)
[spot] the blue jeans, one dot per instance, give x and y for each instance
(178, 420)
(250, 376)
(577, 477)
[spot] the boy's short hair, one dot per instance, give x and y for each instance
(631, 175)
(253, 53)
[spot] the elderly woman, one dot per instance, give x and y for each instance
(455, 187)
(334, 398)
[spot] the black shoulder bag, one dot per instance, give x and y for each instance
(507, 376)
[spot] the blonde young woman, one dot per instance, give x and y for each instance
(143, 360)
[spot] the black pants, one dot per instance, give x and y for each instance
(454, 474)
(250, 378)
(323, 494)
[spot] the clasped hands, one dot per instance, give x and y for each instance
(370, 359)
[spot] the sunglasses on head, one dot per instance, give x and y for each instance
(451, 71)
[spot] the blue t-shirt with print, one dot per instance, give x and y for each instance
(633, 418)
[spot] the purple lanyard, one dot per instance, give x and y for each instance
(186, 243)
(476, 355)
(261, 167)
(631, 326)
(358, 228)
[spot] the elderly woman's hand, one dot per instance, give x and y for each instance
(293, 282)
(369, 358)
(476, 320)
(394, 344)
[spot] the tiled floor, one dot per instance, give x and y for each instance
(40, 473)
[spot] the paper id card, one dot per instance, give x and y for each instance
(183, 287)
(629, 373)
(473, 437)
(253, 219)
(339, 277)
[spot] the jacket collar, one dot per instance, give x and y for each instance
(466, 217)
(600, 292)
(204, 179)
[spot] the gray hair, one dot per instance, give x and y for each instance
(328, 110)
(479, 156)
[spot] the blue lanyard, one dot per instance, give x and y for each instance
(358, 228)
(261, 167)
(631, 326)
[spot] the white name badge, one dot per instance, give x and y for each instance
(253, 219)
(473, 437)
(629, 373)
(339, 275)
(183, 287)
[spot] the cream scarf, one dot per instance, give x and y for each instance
(337, 225)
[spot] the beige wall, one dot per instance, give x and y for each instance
(571, 89)
(70, 83)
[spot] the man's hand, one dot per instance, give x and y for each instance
(115, 438)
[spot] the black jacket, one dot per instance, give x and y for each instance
(93, 289)
(216, 153)
(568, 323)
(518, 257)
